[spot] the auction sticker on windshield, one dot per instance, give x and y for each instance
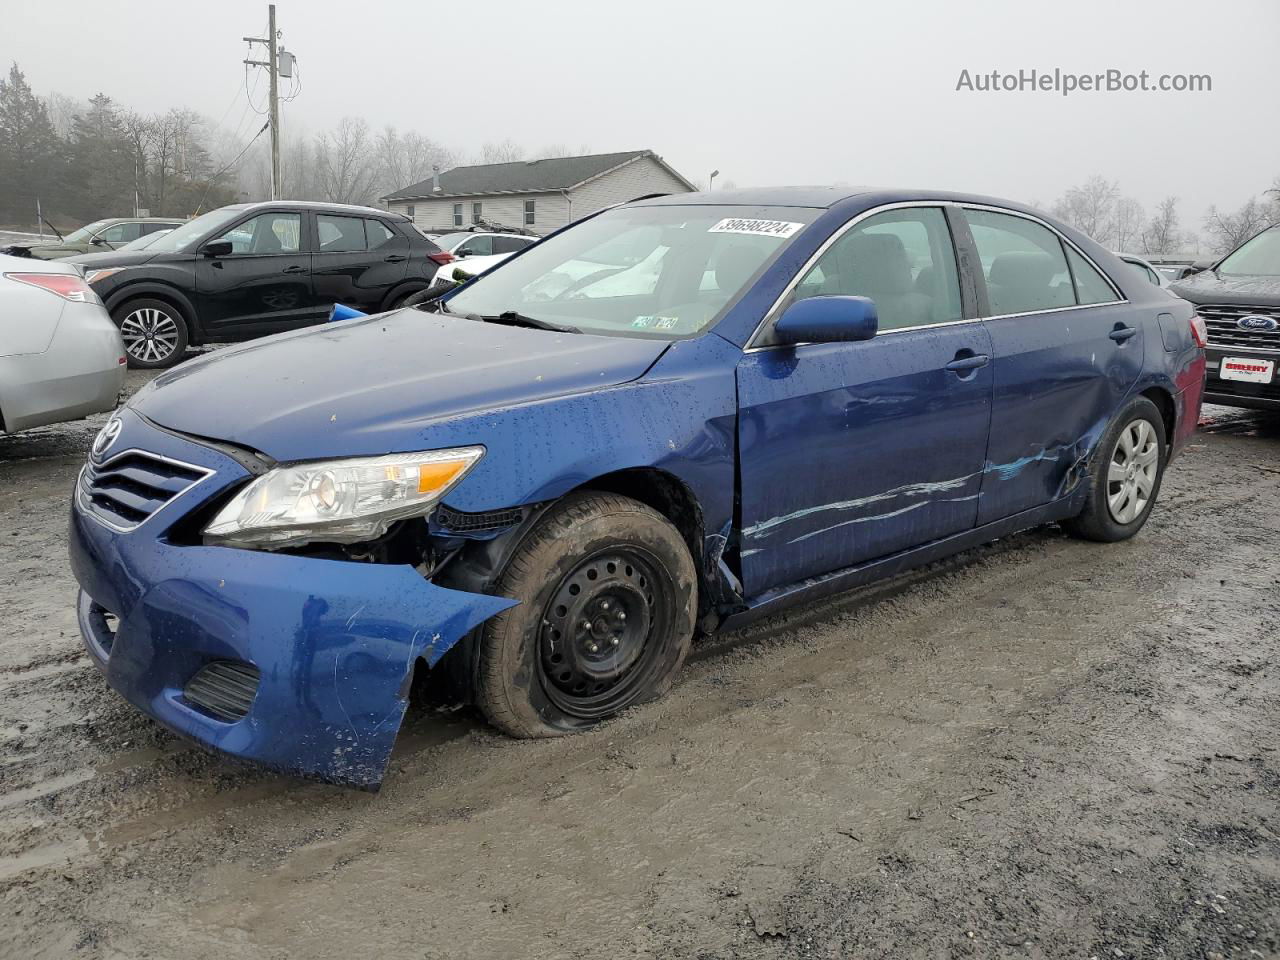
(1248, 369)
(761, 228)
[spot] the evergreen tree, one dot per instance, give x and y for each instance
(102, 158)
(31, 153)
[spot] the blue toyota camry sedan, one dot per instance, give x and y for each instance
(666, 419)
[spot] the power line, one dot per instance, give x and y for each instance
(214, 178)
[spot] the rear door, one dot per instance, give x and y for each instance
(853, 451)
(357, 261)
(263, 285)
(1067, 350)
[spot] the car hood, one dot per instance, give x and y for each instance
(118, 258)
(376, 384)
(1210, 287)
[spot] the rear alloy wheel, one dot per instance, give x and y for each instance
(1124, 478)
(608, 594)
(154, 333)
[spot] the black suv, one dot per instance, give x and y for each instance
(256, 268)
(1239, 298)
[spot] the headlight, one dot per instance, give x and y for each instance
(339, 501)
(94, 275)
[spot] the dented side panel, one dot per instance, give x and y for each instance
(851, 451)
(1059, 379)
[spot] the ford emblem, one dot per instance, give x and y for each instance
(1256, 321)
(106, 437)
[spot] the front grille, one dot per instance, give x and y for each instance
(224, 689)
(1223, 332)
(457, 521)
(131, 486)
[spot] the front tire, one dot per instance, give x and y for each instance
(608, 599)
(154, 333)
(1125, 476)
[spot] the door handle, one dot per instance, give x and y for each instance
(1122, 333)
(971, 361)
(295, 269)
(394, 258)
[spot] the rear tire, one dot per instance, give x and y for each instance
(608, 598)
(154, 333)
(1125, 476)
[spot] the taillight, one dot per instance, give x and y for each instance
(67, 287)
(1199, 330)
(442, 257)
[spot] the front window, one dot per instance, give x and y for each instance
(649, 271)
(268, 233)
(457, 214)
(477, 210)
(409, 211)
(903, 260)
(1259, 257)
(530, 213)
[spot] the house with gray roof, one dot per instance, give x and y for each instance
(540, 195)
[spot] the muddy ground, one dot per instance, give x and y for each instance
(1043, 748)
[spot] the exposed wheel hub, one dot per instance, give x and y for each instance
(596, 627)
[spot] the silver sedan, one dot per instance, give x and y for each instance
(60, 355)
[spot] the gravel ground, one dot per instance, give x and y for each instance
(1043, 748)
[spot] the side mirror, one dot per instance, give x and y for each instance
(1200, 266)
(217, 248)
(827, 320)
(341, 311)
(97, 241)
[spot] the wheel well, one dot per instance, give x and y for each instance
(671, 498)
(403, 289)
(1168, 412)
(193, 327)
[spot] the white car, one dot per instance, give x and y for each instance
(61, 357)
(471, 266)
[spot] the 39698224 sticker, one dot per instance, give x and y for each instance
(760, 228)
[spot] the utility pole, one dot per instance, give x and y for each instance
(272, 63)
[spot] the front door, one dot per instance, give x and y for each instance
(853, 451)
(1066, 351)
(263, 285)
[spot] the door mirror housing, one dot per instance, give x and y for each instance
(217, 248)
(97, 241)
(1201, 265)
(827, 320)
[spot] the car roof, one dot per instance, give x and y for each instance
(318, 206)
(761, 197)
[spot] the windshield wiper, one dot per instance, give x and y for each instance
(521, 320)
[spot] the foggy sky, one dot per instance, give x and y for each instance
(770, 93)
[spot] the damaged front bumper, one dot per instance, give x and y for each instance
(297, 663)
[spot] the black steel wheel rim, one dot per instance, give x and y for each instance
(601, 631)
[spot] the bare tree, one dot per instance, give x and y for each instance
(1126, 230)
(1161, 234)
(346, 168)
(1228, 230)
(405, 159)
(506, 151)
(1090, 208)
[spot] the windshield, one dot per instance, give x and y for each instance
(143, 242)
(655, 271)
(1259, 257)
(177, 240)
(87, 232)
